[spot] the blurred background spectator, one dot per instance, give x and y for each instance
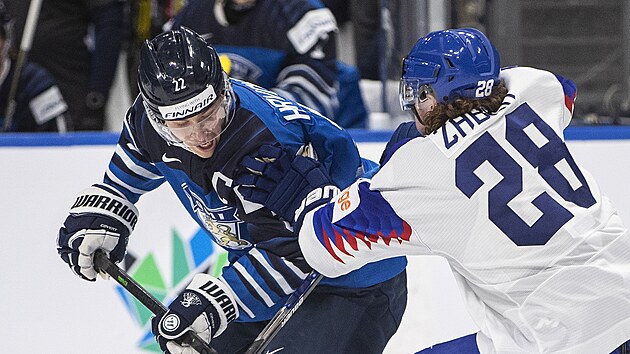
(35, 100)
(370, 41)
(373, 33)
(287, 46)
(145, 20)
(370, 36)
(563, 37)
(559, 36)
(78, 42)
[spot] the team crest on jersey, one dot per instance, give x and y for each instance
(221, 222)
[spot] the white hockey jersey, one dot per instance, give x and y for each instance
(542, 258)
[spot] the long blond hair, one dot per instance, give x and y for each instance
(445, 111)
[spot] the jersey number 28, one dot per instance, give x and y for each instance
(548, 155)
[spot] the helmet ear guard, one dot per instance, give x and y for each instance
(458, 63)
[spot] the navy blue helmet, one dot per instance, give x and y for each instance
(180, 76)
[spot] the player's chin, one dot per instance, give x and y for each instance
(204, 150)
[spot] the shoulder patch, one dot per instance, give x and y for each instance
(310, 28)
(346, 201)
(47, 105)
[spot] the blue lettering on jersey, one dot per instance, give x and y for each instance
(289, 109)
(222, 222)
(456, 128)
(552, 152)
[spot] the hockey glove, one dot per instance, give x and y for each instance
(99, 219)
(206, 307)
(286, 184)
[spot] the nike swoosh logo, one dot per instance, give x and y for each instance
(275, 351)
(170, 159)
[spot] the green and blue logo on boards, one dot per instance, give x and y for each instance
(199, 254)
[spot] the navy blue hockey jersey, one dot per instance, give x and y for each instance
(287, 46)
(261, 277)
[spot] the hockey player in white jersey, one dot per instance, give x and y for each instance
(541, 257)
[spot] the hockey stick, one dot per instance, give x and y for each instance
(284, 314)
(25, 46)
(385, 35)
(103, 264)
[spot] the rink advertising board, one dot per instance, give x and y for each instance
(40, 298)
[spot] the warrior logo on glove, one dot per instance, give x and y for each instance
(287, 184)
(205, 307)
(101, 218)
(109, 204)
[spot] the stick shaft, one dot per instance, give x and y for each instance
(284, 314)
(25, 45)
(154, 305)
(31, 23)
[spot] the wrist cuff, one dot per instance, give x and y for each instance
(98, 201)
(219, 295)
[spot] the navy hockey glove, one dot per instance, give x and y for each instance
(286, 184)
(206, 307)
(99, 219)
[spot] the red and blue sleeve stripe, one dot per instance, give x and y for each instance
(570, 92)
(374, 222)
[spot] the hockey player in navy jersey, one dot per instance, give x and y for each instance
(190, 127)
(541, 257)
(36, 104)
(287, 46)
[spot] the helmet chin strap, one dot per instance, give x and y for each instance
(416, 113)
(418, 116)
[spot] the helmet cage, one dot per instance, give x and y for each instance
(415, 84)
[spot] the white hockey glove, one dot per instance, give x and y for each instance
(206, 307)
(99, 219)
